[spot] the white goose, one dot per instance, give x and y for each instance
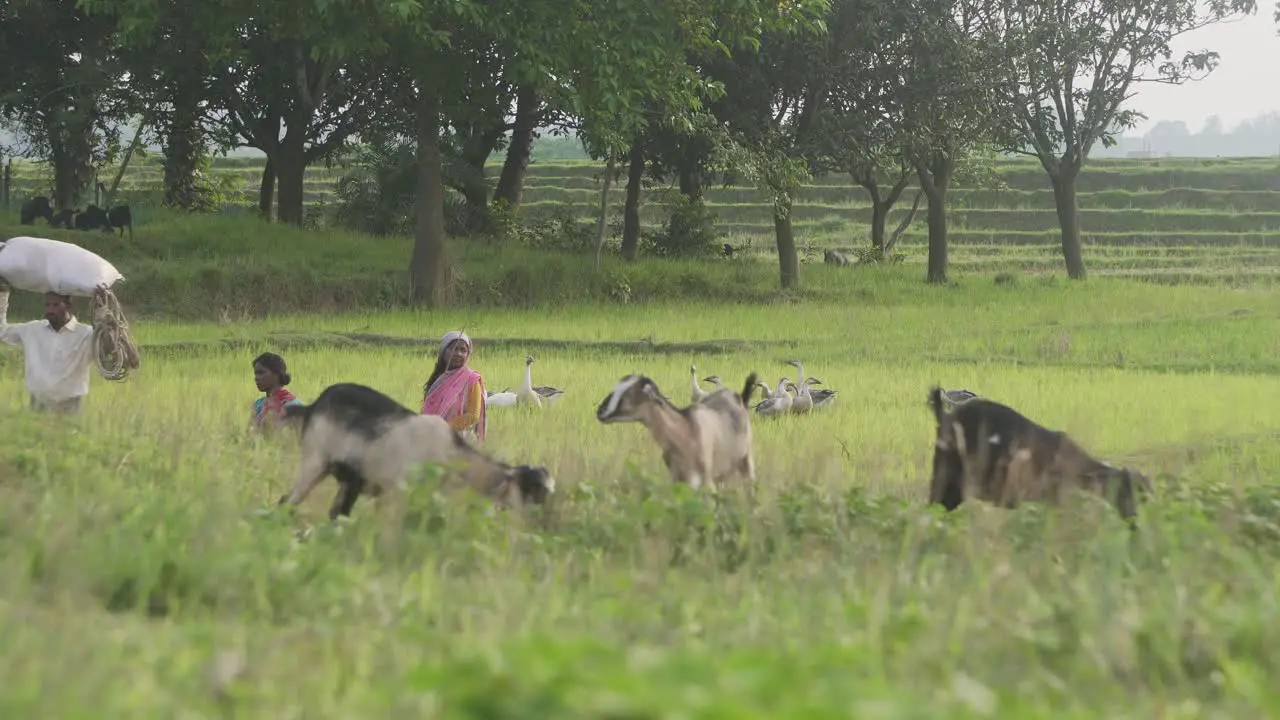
(506, 398)
(695, 393)
(775, 403)
(544, 392)
(714, 380)
(803, 401)
(821, 398)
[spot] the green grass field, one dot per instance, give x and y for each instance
(139, 582)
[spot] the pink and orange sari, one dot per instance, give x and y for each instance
(447, 397)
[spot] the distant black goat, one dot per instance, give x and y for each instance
(36, 207)
(121, 217)
(63, 218)
(93, 218)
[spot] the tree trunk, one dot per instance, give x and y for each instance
(879, 214)
(71, 150)
(267, 189)
(516, 166)
(291, 173)
(691, 180)
(468, 177)
(475, 195)
(602, 222)
(880, 206)
(937, 215)
(906, 223)
(788, 259)
(124, 162)
(427, 266)
(631, 209)
(1068, 206)
(183, 146)
(935, 180)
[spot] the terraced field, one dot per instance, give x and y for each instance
(1170, 220)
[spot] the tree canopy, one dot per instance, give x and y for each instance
(767, 92)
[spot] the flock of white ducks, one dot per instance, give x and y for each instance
(780, 401)
(776, 402)
(527, 394)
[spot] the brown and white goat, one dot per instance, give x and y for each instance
(703, 442)
(989, 451)
(370, 443)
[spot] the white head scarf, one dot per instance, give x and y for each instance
(449, 337)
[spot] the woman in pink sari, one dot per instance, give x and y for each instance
(454, 391)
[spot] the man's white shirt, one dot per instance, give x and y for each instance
(57, 361)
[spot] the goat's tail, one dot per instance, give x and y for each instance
(749, 388)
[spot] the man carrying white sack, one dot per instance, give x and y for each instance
(58, 352)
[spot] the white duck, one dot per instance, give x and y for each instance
(695, 393)
(775, 403)
(506, 398)
(821, 398)
(803, 401)
(536, 394)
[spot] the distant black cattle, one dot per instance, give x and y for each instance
(63, 218)
(121, 217)
(36, 207)
(93, 218)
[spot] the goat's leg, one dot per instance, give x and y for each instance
(312, 470)
(702, 473)
(350, 485)
(687, 475)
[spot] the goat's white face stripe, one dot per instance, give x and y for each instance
(616, 397)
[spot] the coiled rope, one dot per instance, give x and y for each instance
(110, 337)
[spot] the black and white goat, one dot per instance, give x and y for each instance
(989, 451)
(370, 443)
(701, 443)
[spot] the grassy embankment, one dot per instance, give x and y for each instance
(131, 563)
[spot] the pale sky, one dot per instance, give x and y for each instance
(1243, 86)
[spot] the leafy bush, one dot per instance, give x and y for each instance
(559, 229)
(214, 191)
(690, 228)
(377, 193)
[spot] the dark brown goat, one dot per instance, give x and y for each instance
(991, 452)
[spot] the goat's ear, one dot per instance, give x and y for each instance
(940, 414)
(650, 389)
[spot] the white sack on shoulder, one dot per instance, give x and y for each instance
(42, 265)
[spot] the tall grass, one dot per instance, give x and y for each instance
(139, 582)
